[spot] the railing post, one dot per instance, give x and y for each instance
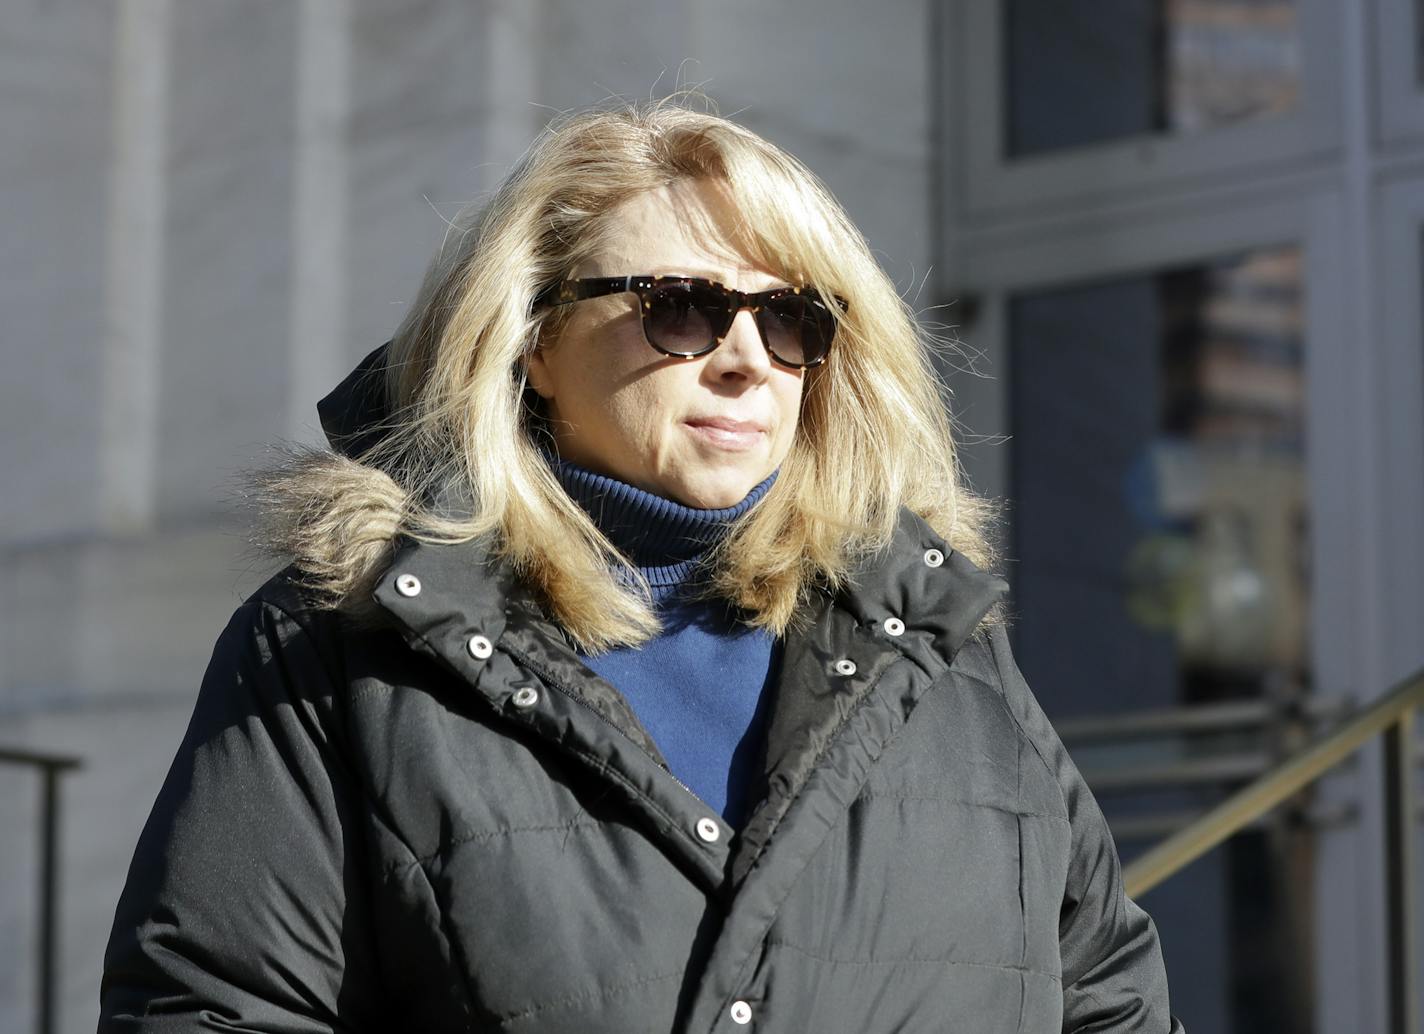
(1400, 897)
(49, 896)
(51, 767)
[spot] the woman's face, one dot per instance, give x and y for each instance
(702, 431)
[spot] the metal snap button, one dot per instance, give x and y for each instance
(845, 666)
(741, 1012)
(525, 696)
(894, 626)
(933, 557)
(407, 585)
(708, 830)
(479, 647)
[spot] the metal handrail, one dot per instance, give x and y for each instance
(1204, 771)
(1229, 716)
(1393, 715)
(1271, 789)
(51, 766)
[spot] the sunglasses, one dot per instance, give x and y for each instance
(688, 316)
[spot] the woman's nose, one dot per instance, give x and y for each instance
(742, 350)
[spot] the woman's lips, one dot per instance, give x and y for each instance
(722, 433)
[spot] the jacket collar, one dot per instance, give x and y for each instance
(922, 595)
(918, 595)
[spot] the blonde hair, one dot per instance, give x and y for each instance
(873, 435)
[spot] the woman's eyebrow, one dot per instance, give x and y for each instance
(704, 273)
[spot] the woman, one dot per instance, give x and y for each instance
(635, 672)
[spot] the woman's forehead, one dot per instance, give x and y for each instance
(690, 227)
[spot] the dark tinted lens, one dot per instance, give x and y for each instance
(684, 320)
(798, 328)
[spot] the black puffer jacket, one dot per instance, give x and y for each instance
(451, 824)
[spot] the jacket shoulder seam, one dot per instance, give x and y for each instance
(264, 597)
(948, 799)
(910, 960)
(1004, 703)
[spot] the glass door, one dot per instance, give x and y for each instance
(1160, 536)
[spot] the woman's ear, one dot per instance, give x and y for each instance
(536, 371)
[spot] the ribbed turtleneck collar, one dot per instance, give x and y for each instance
(662, 537)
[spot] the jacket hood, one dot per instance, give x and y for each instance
(356, 414)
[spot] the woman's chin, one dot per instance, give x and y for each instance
(713, 493)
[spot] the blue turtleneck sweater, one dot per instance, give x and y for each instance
(701, 687)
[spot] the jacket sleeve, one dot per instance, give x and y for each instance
(1114, 981)
(244, 908)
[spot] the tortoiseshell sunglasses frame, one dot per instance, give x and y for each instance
(565, 292)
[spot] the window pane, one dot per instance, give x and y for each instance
(1087, 73)
(1418, 24)
(1160, 547)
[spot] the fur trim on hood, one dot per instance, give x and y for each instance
(333, 516)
